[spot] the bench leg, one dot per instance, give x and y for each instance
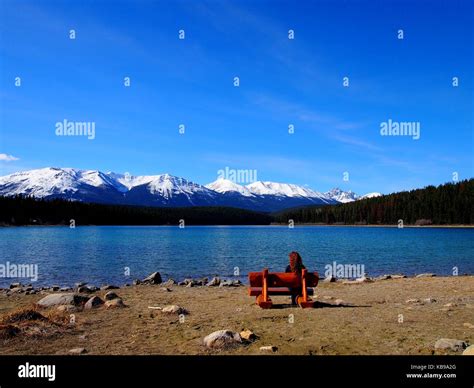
(308, 303)
(303, 300)
(264, 304)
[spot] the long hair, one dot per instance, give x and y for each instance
(296, 263)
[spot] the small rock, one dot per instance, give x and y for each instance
(425, 275)
(181, 284)
(270, 349)
(110, 295)
(165, 289)
(364, 279)
(109, 287)
(78, 351)
(84, 290)
(429, 300)
(450, 305)
(329, 279)
(339, 302)
(114, 303)
(174, 309)
(83, 337)
(170, 282)
(154, 278)
(136, 282)
(450, 344)
(248, 335)
(215, 281)
(468, 325)
(398, 276)
(222, 339)
(412, 300)
(65, 289)
(15, 285)
(383, 277)
(190, 284)
(55, 288)
(469, 351)
(80, 284)
(93, 302)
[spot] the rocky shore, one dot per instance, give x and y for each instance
(390, 314)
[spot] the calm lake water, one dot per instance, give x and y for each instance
(99, 255)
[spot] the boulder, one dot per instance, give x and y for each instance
(62, 299)
(78, 351)
(174, 309)
(222, 339)
(93, 302)
(215, 281)
(110, 295)
(248, 335)
(154, 278)
(469, 351)
(269, 349)
(450, 344)
(68, 308)
(114, 303)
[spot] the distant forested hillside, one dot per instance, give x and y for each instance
(29, 211)
(446, 204)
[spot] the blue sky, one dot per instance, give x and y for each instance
(282, 82)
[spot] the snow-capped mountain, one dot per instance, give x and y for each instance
(341, 196)
(164, 190)
(227, 186)
(370, 195)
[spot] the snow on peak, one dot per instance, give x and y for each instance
(222, 185)
(371, 195)
(282, 189)
(342, 196)
(168, 185)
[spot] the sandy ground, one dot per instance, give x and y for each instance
(375, 318)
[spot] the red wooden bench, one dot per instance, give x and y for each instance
(262, 284)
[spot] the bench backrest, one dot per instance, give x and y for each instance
(282, 279)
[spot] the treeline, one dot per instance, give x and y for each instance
(21, 210)
(446, 204)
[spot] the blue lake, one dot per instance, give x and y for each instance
(100, 255)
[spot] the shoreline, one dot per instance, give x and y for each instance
(454, 226)
(398, 315)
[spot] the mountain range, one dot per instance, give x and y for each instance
(165, 190)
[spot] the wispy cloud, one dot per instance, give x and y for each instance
(8, 158)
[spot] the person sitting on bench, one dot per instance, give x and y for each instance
(295, 266)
